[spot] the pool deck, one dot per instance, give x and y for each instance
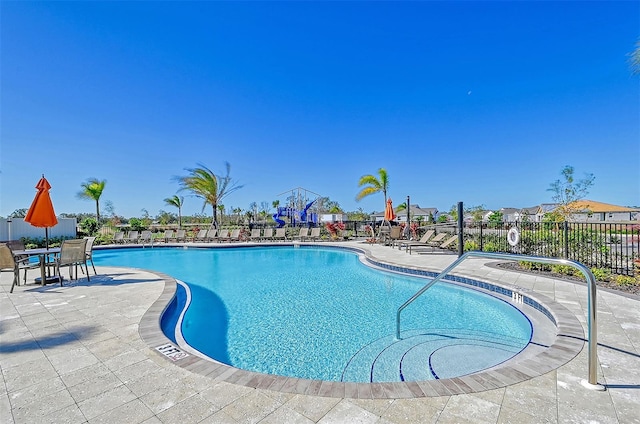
(80, 354)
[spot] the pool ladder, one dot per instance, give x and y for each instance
(592, 382)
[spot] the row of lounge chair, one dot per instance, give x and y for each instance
(215, 235)
(429, 242)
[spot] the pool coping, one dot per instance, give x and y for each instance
(569, 341)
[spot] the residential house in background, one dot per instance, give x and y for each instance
(592, 211)
(415, 211)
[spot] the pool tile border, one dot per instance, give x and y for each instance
(568, 343)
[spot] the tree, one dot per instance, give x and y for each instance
(18, 213)
(568, 191)
(496, 217)
(92, 190)
(211, 188)
(178, 202)
(275, 204)
(221, 209)
(373, 185)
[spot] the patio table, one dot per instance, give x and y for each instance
(42, 254)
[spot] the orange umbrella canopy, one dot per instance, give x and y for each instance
(389, 215)
(41, 213)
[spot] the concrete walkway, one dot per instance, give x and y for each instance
(75, 354)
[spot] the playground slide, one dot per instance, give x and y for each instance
(280, 222)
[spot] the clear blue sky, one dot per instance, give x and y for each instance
(480, 102)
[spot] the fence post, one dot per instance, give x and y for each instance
(460, 230)
(566, 240)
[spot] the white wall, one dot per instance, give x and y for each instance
(17, 228)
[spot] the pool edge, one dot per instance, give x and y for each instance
(568, 343)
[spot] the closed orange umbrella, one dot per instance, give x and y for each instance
(389, 215)
(41, 213)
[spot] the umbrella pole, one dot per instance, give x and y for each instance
(46, 238)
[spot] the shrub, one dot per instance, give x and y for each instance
(137, 224)
(625, 280)
(470, 245)
(601, 274)
(89, 226)
(564, 270)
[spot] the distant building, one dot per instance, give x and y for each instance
(415, 211)
(592, 211)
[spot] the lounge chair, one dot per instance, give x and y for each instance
(267, 234)
(72, 254)
(212, 234)
(169, 235)
(315, 234)
(443, 246)
(181, 236)
(88, 251)
(118, 237)
(132, 237)
(11, 263)
(281, 234)
(145, 237)
(304, 233)
(233, 235)
(255, 235)
(422, 242)
(223, 235)
(201, 236)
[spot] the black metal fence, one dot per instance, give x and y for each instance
(611, 246)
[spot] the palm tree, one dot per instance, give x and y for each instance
(221, 209)
(178, 202)
(92, 190)
(211, 188)
(374, 185)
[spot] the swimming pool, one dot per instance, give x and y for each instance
(319, 313)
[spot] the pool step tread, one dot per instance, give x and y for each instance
(429, 354)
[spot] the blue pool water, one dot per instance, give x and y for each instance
(319, 313)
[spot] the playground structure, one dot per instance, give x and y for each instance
(297, 211)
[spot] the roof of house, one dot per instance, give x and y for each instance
(598, 207)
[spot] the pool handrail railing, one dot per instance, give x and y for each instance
(592, 337)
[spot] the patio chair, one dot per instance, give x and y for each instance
(281, 234)
(267, 234)
(422, 242)
(10, 263)
(145, 237)
(132, 236)
(72, 254)
(201, 236)
(395, 236)
(169, 235)
(118, 237)
(442, 247)
(255, 235)
(304, 233)
(24, 261)
(235, 235)
(315, 234)
(223, 235)
(181, 235)
(212, 234)
(88, 250)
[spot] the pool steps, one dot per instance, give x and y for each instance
(430, 354)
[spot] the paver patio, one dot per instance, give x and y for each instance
(74, 354)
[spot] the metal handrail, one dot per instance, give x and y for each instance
(591, 311)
